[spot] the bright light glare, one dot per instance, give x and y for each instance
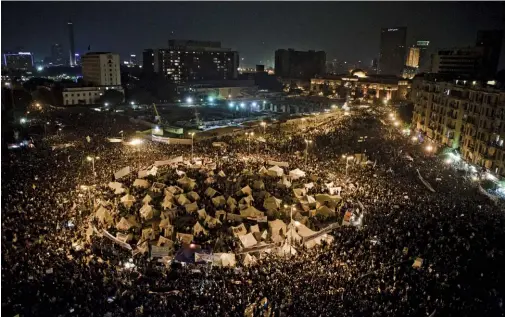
(106, 104)
(89, 158)
(254, 104)
(22, 120)
(230, 105)
(491, 176)
(448, 161)
(211, 99)
(396, 123)
(414, 138)
(429, 148)
(297, 223)
(136, 142)
(242, 105)
(40, 68)
(189, 100)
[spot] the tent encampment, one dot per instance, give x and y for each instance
(147, 199)
(210, 192)
(193, 196)
(218, 201)
(251, 212)
(117, 187)
(123, 224)
(190, 208)
(275, 171)
(146, 212)
(198, 229)
(187, 183)
(248, 240)
(183, 200)
(103, 216)
(272, 203)
(296, 174)
(141, 183)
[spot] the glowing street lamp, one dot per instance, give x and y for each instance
(136, 141)
(192, 138)
(429, 148)
(189, 100)
(231, 105)
(22, 120)
(211, 99)
(396, 123)
(264, 125)
(242, 105)
(106, 104)
(92, 160)
(414, 138)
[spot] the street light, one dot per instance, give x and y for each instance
(249, 135)
(396, 123)
(242, 105)
(429, 148)
(192, 138)
(230, 105)
(307, 142)
(92, 160)
(264, 125)
(189, 100)
(106, 104)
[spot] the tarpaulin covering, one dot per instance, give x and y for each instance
(122, 172)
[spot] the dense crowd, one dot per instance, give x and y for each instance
(366, 271)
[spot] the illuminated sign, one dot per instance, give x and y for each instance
(423, 43)
(24, 53)
(392, 30)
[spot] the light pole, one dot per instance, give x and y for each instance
(249, 135)
(264, 125)
(92, 160)
(307, 142)
(192, 139)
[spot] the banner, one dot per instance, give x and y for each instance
(122, 172)
(425, 182)
(116, 240)
(204, 257)
(178, 159)
(114, 140)
(159, 252)
(160, 139)
(320, 232)
(282, 164)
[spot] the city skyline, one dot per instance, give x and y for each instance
(346, 31)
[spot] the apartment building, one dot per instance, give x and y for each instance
(465, 115)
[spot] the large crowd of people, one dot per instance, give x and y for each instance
(51, 268)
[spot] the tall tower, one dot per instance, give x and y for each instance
(72, 46)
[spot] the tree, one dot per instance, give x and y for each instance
(112, 97)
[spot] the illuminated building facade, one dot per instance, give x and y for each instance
(392, 50)
(413, 57)
(101, 69)
(18, 61)
(188, 61)
(462, 114)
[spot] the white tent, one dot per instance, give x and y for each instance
(210, 192)
(221, 173)
(254, 228)
(123, 224)
(247, 190)
(272, 203)
(296, 174)
(183, 200)
(141, 183)
(232, 203)
(292, 236)
(198, 229)
(187, 182)
(146, 212)
(286, 249)
(184, 237)
(218, 201)
(248, 240)
(284, 182)
(167, 202)
(277, 227)
(275, 171)
(117, 187)
(224, 259)
(249, 260)
(239, 230)
(309, 185)
(164, 223)
(202, 214)
(259, 185)
(147, 199)
(164, 242)
(251, 212)
(245, 202)
(174, 190)
(211, 222)
(190, 208)
(263, 171)
(127, 200)
(299, 192)
(103, 215)
(193, 195)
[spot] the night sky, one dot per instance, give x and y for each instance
(346, 31)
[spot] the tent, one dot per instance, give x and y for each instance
(249, 260)
(283, 164)
(286, 249)
(263, 171)
(187, 183)
(275, 171)
(184, 237)
(299, 192)
(296, 174)
(117, 187)
(147, 234)
(193, 196)
(198, 229)
(211, 222)
(247, 190)
(248, 240)
(210, 180)
(103, 215)
(245, 202)
(164, 242)
(251, 212)
(239, 230)
(309, 185)
(141, 183)
(167, 203)
(123, 224)
(202, 214)
(221, 173)
(210, 192)
(190, 208)
(323, 210)
(232, 203)
(218, 201)
(292, 236)
(164, 223)
(127, 200)
(125, 238)
(259, 185)
(183, 200)
(147, 199)
(174, 190)
(272, 203)
(284, 182)
(146, 212)
(224, 259)
(277, 227)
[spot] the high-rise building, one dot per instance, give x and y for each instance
(18, 61)
(71, 43)
(189, 61)
(490, 41)
(77, 59)
(413, 57)
(462, 114)
(299, 64)
(133, 60)
(101, 69)
(392, 50)
(57, 55)
(457, 61)
(424, 60)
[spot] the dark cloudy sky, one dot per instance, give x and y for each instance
(345, 30)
